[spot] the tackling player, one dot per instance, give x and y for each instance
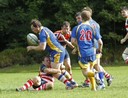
(45, 79)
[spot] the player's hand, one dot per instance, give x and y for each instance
(62, 36)
(74, 51)
(122, 41)
(29, 48)
(99, 51)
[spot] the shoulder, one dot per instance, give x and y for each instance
(42, 67)
(58, 31)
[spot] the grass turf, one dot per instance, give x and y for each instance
(16, 76)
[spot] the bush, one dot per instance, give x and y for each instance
(20, 56)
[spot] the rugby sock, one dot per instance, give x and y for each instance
(90, 74)
(63, 79)
(87, 81)
(28, 84)
(67, 75)
(92, 80)
(101, 76)
(107, 75)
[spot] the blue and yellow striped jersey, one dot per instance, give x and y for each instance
(46, 35)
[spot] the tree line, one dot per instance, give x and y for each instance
(15, 17)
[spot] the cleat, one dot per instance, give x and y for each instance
(109, 80)
(19, 89)
(84, 85)
(97, 79)
(101, 87)
(69, 86)
(74, 84)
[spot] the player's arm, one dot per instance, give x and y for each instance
(124, 39)
(74, 40)
(100, 44)
(40, 47)
(67, 42)
(51, 71)
(44, 69)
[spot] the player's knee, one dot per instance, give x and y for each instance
(50, 86)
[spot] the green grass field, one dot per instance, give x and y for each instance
(16, 76)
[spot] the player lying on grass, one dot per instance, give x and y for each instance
(45, 79)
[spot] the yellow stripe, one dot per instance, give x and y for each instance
(82, 66)
(57, 58)
(50, 43)
(91, 64)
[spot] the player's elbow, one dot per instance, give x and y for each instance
(42, 47)
(73, 41)
(100, 42)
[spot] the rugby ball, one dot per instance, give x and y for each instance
(32, 39)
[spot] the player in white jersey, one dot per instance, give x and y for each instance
(124, 12)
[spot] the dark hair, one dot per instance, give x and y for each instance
(36, 23)
(78, 14)
(46, 57)
(66, 23)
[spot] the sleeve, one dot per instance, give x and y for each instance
(42, 67)
(97, 35)
(73, 34)
(126, 26)
(42, 36)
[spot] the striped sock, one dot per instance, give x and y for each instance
(28, 84)
(107, 75)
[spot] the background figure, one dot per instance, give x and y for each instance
(63, 37)
(124, 12)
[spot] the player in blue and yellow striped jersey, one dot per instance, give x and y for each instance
(98, 67)
(83, 36)
(124, 12)
(49, 42)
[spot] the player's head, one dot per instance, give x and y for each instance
(65, 27)
(86, 15)
(36, 80)
(87, 9)
(124, 11)
(47, 61)
(78, 17)
(35, 25)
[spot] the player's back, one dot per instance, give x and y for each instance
(48, 36)
(95, 25)
(85, 39)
